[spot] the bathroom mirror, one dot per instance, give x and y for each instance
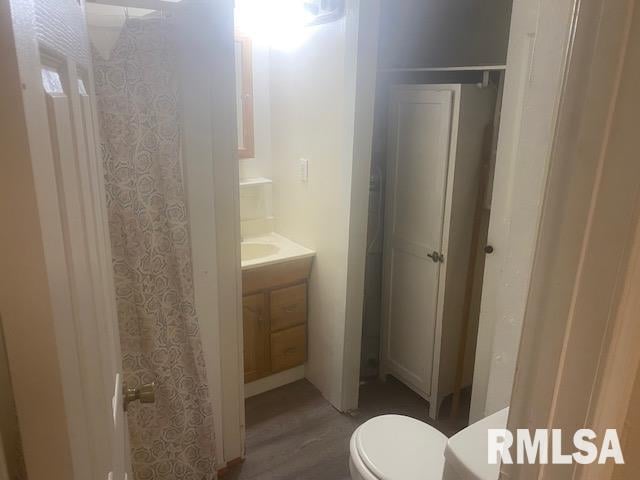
(244, 96)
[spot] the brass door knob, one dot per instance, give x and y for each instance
(144, 394)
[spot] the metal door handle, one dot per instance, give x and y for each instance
(436, 257)
(144, 394)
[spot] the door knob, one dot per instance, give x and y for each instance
(436, 257)
(144, 394)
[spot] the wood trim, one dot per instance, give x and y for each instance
(248, 149)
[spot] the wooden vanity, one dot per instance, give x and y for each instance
(274, 311)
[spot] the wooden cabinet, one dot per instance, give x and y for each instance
(288, 306)
(288, 348)
(275, 317)
(257, 340)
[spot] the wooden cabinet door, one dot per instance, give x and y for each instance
(288, 307)
(257, 361)
(288, 348)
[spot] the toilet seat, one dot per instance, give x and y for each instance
(395, 447)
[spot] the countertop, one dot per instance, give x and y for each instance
(270, 249)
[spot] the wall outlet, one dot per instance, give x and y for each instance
(304, 170)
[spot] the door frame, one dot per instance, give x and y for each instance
(535, 69)
(211, 173)
(582, 325)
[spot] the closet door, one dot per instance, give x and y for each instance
(418, 158)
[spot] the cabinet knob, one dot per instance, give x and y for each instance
(488, 249)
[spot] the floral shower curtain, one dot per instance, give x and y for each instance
(138, 107)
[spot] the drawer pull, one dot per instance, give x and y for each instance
(291, 308)
(289, 350)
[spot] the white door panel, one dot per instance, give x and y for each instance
(55, 71)
(420, 129)
(412, 313)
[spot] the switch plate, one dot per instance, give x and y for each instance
(304, 170)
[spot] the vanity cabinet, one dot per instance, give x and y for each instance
(274, 317)
(257, 362)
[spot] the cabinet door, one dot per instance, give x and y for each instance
(256, 337)
(418, 158)
(288, 307)
(289, 348)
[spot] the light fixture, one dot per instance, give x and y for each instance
(279, 24)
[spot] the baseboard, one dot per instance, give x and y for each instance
(221, 472)
(273, 381)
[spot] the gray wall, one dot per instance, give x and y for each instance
(444, 33)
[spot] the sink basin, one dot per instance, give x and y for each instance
(269, 249)
(253, 250)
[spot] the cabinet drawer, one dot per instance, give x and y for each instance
(288, 348)
(288, 307)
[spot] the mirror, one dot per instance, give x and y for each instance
(244, 96)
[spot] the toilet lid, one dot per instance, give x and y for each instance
(395, 447)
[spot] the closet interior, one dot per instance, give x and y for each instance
(441, 68)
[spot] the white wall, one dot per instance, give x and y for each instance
(308, 97)
(533, 79)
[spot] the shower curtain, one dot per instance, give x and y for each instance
(138, 109)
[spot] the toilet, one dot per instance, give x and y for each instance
(395, 447)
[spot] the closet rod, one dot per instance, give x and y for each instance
(473, 68)
(147, 4)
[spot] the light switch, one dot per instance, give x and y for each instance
(304, 170)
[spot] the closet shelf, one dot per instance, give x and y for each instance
(472, 68)
(245, 182)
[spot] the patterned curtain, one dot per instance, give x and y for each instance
(138, 107)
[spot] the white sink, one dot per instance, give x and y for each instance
(255, 250)
(269, 249)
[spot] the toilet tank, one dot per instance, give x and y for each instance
(466, 452)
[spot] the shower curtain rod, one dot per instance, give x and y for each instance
(148, 4)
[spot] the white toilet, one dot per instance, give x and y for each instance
(394, 447)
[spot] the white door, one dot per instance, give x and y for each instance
(54, 65)
(418, 158)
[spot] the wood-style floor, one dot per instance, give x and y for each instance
(293, 433)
